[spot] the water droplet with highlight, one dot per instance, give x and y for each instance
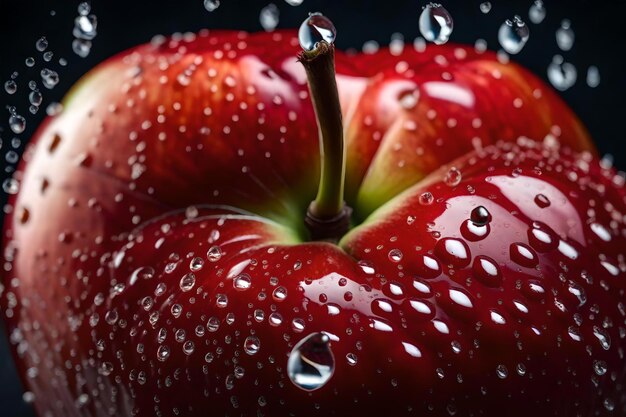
(485, 7)
(314, 29)
(435, 23)
(269, 17)
(251, 345)
(537, 12)
(453, 177)
(311, 362)
(562, 75)
(593, 76)
(565, 36)
(513, 35)
(211, 5)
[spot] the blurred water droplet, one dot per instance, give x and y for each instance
(54, 109)
(81, 47)
(426, 198)
(562, 75)
(85, 27)
(11, 186)
(314, 29)
(593, 76)
(41, 44)
(17, 123)
(435, 23)
(269, 17)
(187, 282)
(163, 352)
(84, 8)
(537, 12)
(599, 367)
(49, 78)
(485, 7)
(311, 362)
(513, 35)
(294, 2)
(10, 87)
(565, 36)
(453, 177)
(211, 5)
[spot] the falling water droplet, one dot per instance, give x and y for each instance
(294, 2)
(10, 186)
(49, 78)
(311, 362)
(85, 27)
(10, 87)
(211, 5)
(314, 29)
(593, 76)
(485, 7)
(565, 36)
(562, 75)
(537, 12)
(513, 35)
(81, 47)
(17, 123)
(435, 23)
(41, 44)
(269, 17)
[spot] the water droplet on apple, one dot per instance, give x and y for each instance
(502, 372)
(196, 264)
(408, 99)
(187, 282)
(351, 358)
(599, 367)
(513, 35)
(562, 75)
(213, 324)
(242, 282)
(279, 294)
(565, 35)
(251, 345)
(523, 255)
(314, 29)
(453, 177)
(426, 198)
(395, 255)
(453, 251)
(487, 271)
(435, 23)
(480, 216)
(542, 201)
(269, 17)
(214, 254)
(603, 337)
(537, 12)
(311, 362)
(211, 5)
(163, 352)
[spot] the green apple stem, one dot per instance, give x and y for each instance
(328, 217)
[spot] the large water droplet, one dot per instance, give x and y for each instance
(513, 35)
(537, 12)
(593, 76)
(603, 337)
(49, 78)
(480, 216)
(187, 282)
(17, 123)
(41, 44)
(485, 7)
(562, 75)
(242, 282)
(211, 5)
(269, 17)
(311, 362)
(314, 29)
(85, 27)
(10, 87)
(251, 345)
(453, 177)
(565, 36)
(435, 23)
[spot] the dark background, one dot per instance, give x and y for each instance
(600, 36)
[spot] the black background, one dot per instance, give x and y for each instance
(600, 38)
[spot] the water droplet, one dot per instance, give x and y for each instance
(10, 87)
(214, 254)
(85, 27)
(311, 362)
(513, 35)
(523, 255)
(537, 12)
(35, 98)
(427, 267)
(49, 78)
(562, 75)
(480, 216)
(395, 255)
(593, 76)
(54, 109)
(351, 358)
(294, 2)
(485, 7)
(213, 324)
(453, 251)
(486, 270)
(603, 337)
(521, 369)
(269, 17)
(426, 198)
(453, 177)
(251, 345)
(144, 272)
(242, 282)
(163, 352)
(609, 404)
(10, 186)
(41, 44)
(408, 99)
(502, 372)
(279, 294)
(30, 62)
(314, 29)
(81, 47)
(497, 318)
(542, 201)
(106, 368)
(188, 347)
(84, 8)
(211, 5)
(275, 319)
(187, 282)
(17, 123)
(599, 367)
(565, 36)
(435, 23)
(460, 298)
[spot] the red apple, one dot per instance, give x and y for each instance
(157, 263)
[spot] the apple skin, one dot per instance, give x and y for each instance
(164, 140)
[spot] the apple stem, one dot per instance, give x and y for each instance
(328, 217)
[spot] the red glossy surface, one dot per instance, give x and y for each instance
(225, 119)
